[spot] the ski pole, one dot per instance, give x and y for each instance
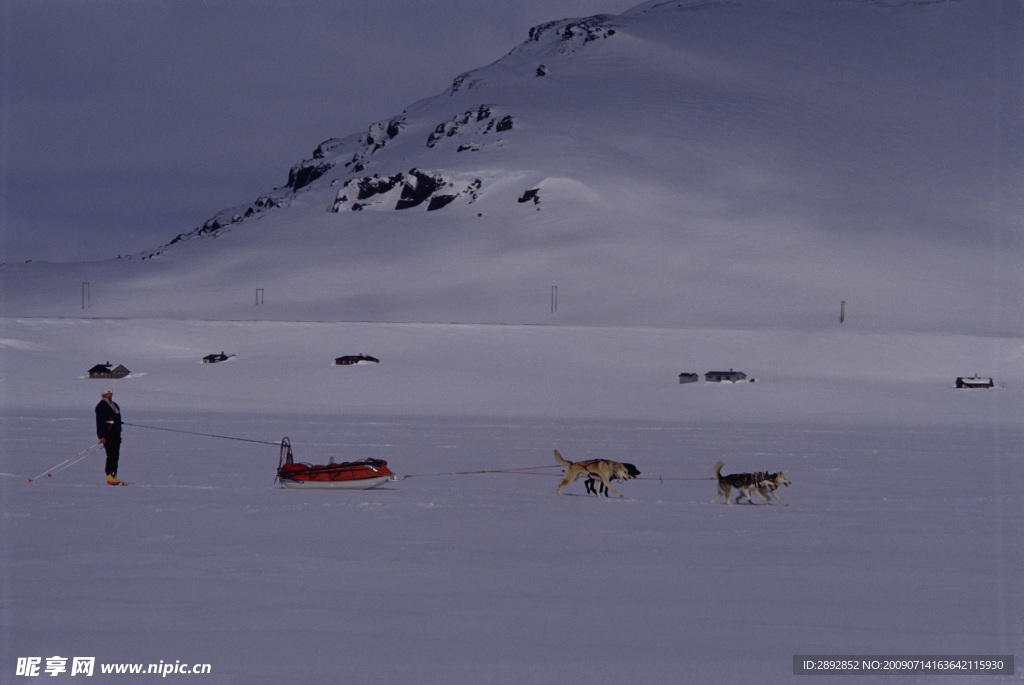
(69, 464)
(70, 461)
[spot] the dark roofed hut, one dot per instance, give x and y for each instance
(105, 371)
(352, 359)
(975, 382)
(729, 376)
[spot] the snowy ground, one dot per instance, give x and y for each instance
(903, 534)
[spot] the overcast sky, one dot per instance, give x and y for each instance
(127, 122)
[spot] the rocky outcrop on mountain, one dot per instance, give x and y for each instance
(234, 215)
(530, 195)
(377, 136)
(301, 175)
(326, 157)
(477, 122)
(343, 159)
(574, 34)
(403, 190)
(566, 36)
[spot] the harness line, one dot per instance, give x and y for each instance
(521, 472)
(662, 478)
(205, 435)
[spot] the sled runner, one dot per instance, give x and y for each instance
(349, 475)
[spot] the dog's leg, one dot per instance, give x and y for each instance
(757, 492)
(570, 477)
(594, 485)
(776, 495)
(608, 486)
(597, 484)
(722, 491)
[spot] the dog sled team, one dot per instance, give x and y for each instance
(601, 472)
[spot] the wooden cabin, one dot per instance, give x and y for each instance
(105, 371)
(351, 359)
(974, 382)
(730, 376)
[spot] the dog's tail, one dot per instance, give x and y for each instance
(560, 460)
(718, 470)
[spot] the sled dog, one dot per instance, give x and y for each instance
(596, 487)
(769, 486)
(603, 470)
(745, 483)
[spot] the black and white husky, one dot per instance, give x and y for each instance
(761, 483)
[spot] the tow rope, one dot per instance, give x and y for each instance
(525, 471)
(522, 472)
(662, 479)
(205, 435)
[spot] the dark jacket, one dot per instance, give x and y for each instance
(108, 420)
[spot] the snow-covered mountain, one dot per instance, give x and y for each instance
(686, 163)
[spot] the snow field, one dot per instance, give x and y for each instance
(900, 538)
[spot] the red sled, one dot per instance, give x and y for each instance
(349, 475)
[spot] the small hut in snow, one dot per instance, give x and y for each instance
(729, 376)
(975, 381)
(352, 359)
(105, 371)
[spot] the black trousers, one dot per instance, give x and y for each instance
(113, 448)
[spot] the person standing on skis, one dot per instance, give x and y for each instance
(108, 430)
